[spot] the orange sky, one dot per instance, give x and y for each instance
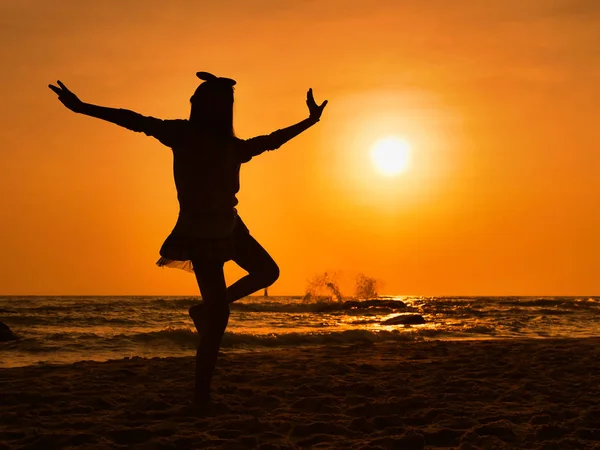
(499, 101)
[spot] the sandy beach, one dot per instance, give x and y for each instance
(440, 394)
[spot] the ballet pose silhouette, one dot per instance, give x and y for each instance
(207, 156)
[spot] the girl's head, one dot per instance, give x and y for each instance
(212, 105)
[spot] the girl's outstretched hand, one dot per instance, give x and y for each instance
(67, 98)
(315, 110)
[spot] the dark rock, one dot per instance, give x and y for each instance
(375, 303)
(6, 334)
(405, 319)
(361, 305)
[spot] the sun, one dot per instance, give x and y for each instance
(390, 156)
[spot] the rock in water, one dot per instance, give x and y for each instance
(405, 319)
(6, 334)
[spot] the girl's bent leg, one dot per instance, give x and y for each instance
(211, 282)
(254, 259)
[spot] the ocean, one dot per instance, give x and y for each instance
(59, 330)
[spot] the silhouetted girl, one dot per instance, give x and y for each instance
(206, 164)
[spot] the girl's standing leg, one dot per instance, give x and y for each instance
(213, 289)
(254, 259)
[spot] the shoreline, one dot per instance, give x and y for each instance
(240, 349)
(468, 394)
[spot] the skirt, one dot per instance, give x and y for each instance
(180, 249)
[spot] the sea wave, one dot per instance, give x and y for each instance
(99, 311)
(186, 338)
(323, 306)
(550, 302)
(125, 306)
(176, 303)
(52, 320)
(490, 306)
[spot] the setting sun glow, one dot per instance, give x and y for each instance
(390, 156)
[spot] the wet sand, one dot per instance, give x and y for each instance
(473, 394)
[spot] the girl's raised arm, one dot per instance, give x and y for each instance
(257, 145)
(122, 117)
